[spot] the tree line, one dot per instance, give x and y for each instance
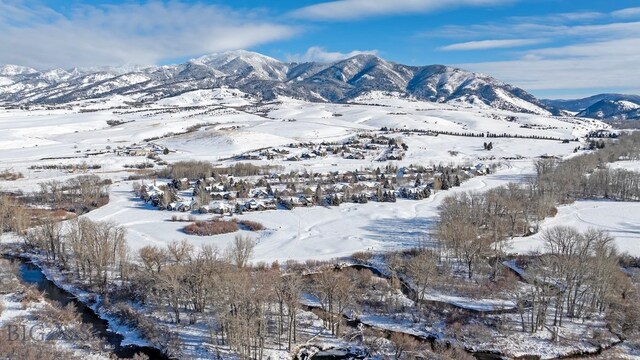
(472, 134)
(579, 274)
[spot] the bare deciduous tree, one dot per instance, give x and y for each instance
(153, 258)
(241, 250)
(422, 269)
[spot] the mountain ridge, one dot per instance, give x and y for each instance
(267, 78)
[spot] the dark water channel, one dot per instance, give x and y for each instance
(31, 274)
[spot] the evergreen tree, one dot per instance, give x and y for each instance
(444, 183)
(418, 180)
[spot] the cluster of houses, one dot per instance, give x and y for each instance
(359, 147)
(226, 194)
(141, 150)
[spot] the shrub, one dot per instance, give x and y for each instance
(8, 281)
(10, 176)
(213, 227)
(32, 350)
(189, 169)
(131, 316)
(139, 166)
(55, 316)
(251, 225)
(31, 294)
(456, 329)
(176, 218)
(362, 256)
(599, 334)
(629, 261)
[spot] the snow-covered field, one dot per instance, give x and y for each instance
(630, 165)
(620, 219)
(231, 123)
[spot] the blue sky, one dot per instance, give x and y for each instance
(552, 48)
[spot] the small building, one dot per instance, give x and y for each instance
(259, 194)
(220, 208)
(182, 206)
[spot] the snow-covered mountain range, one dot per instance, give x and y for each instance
(266, 78)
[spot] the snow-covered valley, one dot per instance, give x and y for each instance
(134, 145)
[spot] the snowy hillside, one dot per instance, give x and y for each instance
(14, 70)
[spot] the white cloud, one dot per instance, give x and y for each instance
(141, 33)
(559, 18)
(355, 9)
(585, 55)
(608, 64)
(320, 54)
(491, 44)
(628, 12)
(525, 30)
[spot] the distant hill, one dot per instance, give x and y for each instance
(578, 105)
(612, 110)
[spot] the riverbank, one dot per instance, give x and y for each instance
(198, 340)
(35, 326)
